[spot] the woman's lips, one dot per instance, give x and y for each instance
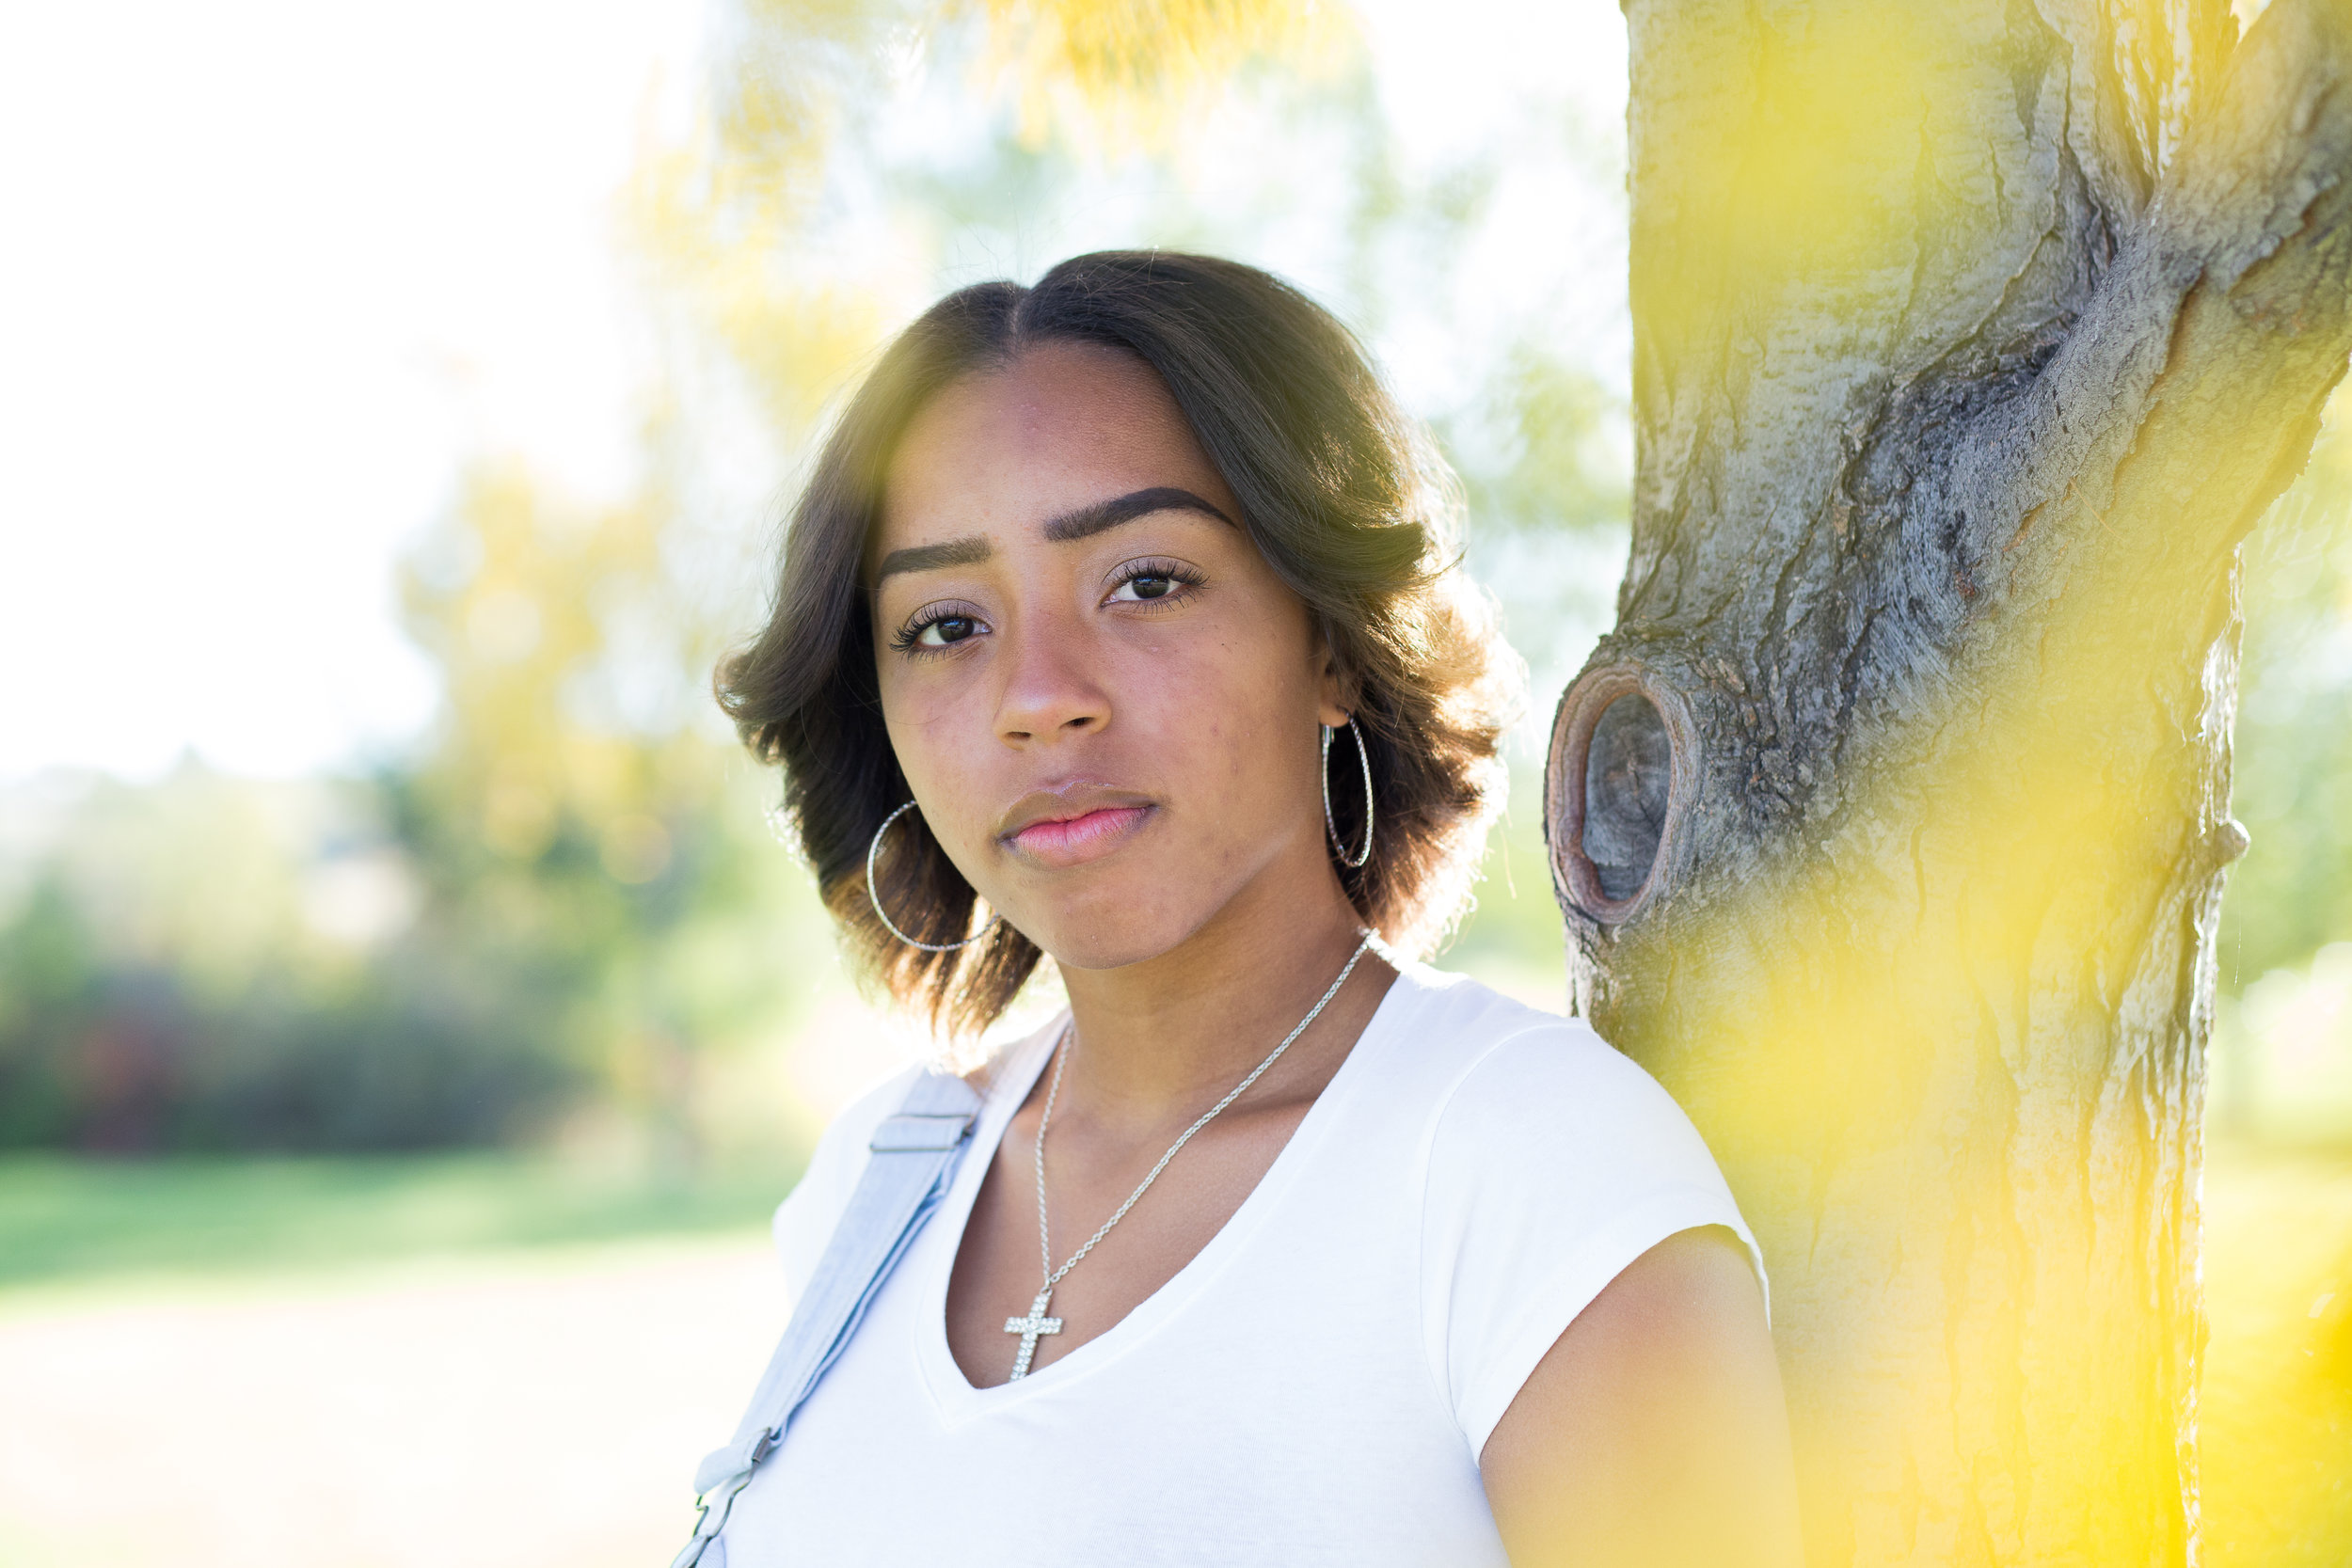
(1077, 839)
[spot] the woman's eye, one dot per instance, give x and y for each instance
(947, 629)
(1156, 581)
(940, 629)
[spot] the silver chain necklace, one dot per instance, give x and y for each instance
(1037, 1324)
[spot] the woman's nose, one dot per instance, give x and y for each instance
(1051, 688)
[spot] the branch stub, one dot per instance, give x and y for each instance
(1617, 788)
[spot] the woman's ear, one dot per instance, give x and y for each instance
(1335, 693)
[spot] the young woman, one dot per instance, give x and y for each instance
(1125, 605)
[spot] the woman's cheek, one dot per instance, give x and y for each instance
(926, 735)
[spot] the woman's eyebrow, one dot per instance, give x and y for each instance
(1083, 523)
(1091, 520)
(925, 558)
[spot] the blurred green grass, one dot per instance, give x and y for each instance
(2276, 1412)
(82, 1221)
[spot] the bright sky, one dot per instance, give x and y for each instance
(275, 269)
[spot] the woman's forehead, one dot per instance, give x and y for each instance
(1063, 427)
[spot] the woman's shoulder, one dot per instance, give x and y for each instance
(1516, 1085)
(1549, 1162)
(1534, 1124)
(1494, 1054)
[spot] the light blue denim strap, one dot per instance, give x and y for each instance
(914, 1160)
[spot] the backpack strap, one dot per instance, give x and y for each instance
(914, 1160)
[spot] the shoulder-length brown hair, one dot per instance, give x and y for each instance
(1342, 493)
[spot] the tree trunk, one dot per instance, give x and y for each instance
(1891, 819)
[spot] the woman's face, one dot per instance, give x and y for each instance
(1104, 698)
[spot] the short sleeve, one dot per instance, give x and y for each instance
(1555, 1163)
(805, 1220)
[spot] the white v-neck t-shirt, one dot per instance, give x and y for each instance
(1316, 1384)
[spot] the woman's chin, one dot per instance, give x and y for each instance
(1103, 944)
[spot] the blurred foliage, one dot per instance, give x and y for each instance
(195, 965)
(1137, 72)
(567, 894)
(2293, 892)
(2283, 1044)
(581, 824)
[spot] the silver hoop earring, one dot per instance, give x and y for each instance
(873, 851)
(1330, 824)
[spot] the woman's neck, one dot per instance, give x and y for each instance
(1161, 1041)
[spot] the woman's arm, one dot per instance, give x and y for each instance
(1653, 1434)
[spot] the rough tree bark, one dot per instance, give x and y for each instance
(1891, 819)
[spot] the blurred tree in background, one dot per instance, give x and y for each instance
(564, 895)
(2293, 894)
(2282, 1055)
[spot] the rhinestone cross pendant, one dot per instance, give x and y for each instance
(1036, 1323)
